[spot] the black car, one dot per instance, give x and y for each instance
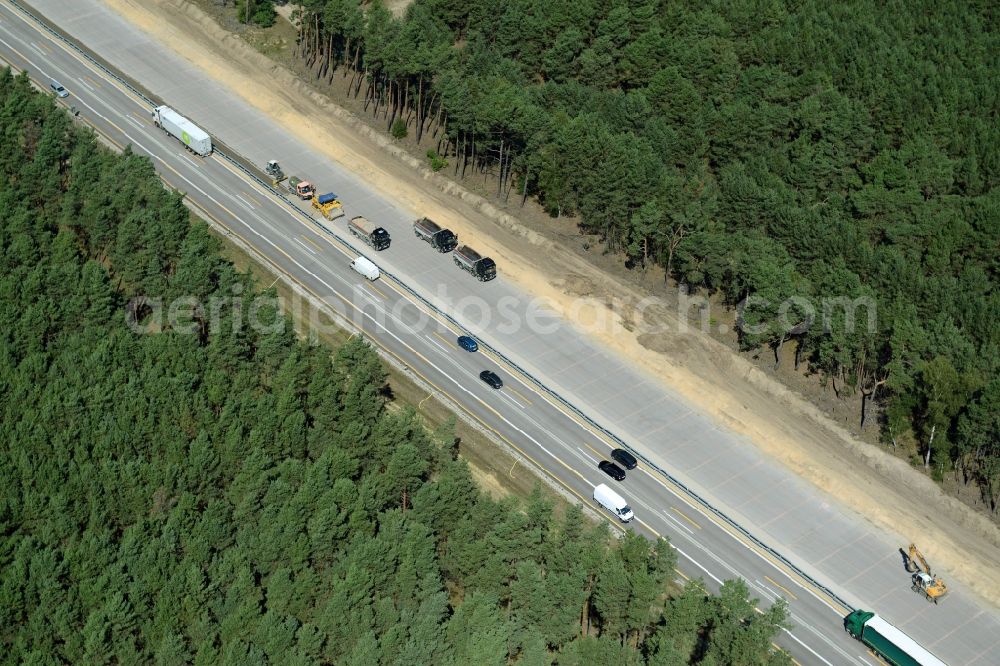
(612, 470)
(491, 378)
(627, 460)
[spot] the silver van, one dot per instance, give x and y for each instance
(58, 89)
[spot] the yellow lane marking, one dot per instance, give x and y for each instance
(518, 394)
(781, 649)
(92, 81)
(207, 214)
(442, 338)
(681, 514)
(253, 185)
(782, 587)
(836, 607)
(315, 245)
(231, 214)
(402, 361)
(777, 564)
(21, 54)
(376, 290)
(681, 573)
(648, 527)
(596, 432)
(599, 454)
(86, 63)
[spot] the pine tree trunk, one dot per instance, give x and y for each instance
(299, 36)
(442, 121)
(394, 103)
(326, 60)
(420, 108)
(316, 35)
(509, 178)
(500, 175)
(473, 157)
(357, 90)
(368, 97)
(350, 86)
(524, 186)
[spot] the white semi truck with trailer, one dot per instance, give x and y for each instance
(888, 642)
(193, 137)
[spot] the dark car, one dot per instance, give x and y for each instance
(627, 460)
(467, 343)
(491, 378)
(612, 470)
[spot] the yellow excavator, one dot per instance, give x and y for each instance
(922, 580)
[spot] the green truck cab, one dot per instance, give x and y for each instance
(887, 641)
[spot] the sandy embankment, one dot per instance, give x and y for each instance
(960, 542)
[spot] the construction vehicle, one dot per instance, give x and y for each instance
(442, 240)
(923, 580)
(469, 260)
(369, 232)
(273, 169)
(328, 206)
(303, 189)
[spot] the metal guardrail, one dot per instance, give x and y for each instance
(241, 165)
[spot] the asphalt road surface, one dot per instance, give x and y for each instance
(823, 540)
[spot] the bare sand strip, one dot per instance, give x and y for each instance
(886, 491)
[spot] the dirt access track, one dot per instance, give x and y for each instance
(961, 543)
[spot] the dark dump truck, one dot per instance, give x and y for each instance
(442, 240)
(369, 232)
(467, 259)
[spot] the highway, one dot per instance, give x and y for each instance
(810, 530)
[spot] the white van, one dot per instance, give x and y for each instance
(366, 268)
(613, 502)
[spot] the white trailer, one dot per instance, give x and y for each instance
(613, 502)
(196, 139)
(366, 268)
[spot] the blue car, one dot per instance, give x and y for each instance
(467, 343)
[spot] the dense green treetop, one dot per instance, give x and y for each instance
(838, 152)
(231, 496)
